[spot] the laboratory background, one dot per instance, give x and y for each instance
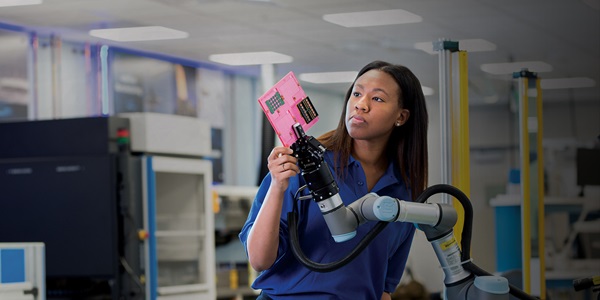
(132, 140)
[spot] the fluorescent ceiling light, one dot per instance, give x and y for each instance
(329, 77)
(251, 58)
(136, 34)
(373, 18)
(509, 68)
(469, 45)
(14, 83)
(491, 99)
(6, 3)
(567, 83)
(427, 91)
(562, 83)
(426, 46)
(476, 45)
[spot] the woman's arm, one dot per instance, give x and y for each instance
(263, 238)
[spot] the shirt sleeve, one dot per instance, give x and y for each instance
(397, 262)
(257, 204)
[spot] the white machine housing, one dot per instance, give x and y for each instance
(169, 134)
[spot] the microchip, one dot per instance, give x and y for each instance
(275, 102)
(307, 110)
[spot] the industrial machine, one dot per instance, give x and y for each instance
(71, 184)
(121, 203)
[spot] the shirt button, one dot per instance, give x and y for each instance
(360, 183)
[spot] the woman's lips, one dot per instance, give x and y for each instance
(357, 119)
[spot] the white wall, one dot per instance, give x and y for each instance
(74, 82)
(567, 120)
(493, 152)
(44, 103)
(242, 142)
(329, 106)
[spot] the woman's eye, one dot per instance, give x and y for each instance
(355, 94)
(377, 99)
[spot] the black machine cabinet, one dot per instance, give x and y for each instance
(74, 185)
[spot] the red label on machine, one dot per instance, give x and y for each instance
(286, 104)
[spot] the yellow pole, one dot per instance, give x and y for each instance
(540, 171)
(525, 191)
(460, 141)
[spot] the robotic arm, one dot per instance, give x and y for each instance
(463, 279)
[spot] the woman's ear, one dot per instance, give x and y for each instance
(404, 115)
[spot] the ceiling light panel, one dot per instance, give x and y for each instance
(251, 58)
(373, 18)
(509, 68)
(7, 3)
(136, 34)
(427, 91)
(329, 77)
(566, 83)
(563, 83)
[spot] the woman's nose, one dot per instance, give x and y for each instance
(361, 104)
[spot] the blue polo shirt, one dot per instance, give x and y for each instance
(379, 266)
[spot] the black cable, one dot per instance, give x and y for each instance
(298, 192)
(324, 267)
(332, 266)
(467, 207)
(132, 274)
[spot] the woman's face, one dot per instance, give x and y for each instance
(373, 111)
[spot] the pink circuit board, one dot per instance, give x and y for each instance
(286, 104)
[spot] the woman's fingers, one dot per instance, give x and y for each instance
(290, 166)
(281, 160)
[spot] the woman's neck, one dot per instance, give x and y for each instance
(370, 154)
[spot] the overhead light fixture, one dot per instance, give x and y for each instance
(6, 3)
(566, 83)
(491, 99)
(476, 45)
(373, 18)
(329, 77)
(251, 58)
(425, 46)
(469, 45)
(562, 83)
(427, 91)
(14, 83)
(509, 68)
(136, 34)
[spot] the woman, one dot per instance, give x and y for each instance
(380, 146)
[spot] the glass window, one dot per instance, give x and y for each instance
(14, 85)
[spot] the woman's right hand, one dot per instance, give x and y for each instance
(282, 165)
